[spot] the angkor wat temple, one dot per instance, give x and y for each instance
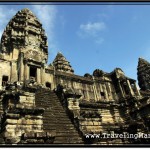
(49, 104)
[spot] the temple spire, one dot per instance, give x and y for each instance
(143, 72)
(24, 30)
(61, 64)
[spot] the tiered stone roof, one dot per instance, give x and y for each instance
(61, 64)
(24, 30)
(143, 74)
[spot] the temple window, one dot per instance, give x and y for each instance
(33, 72)
(48, 85)
(4, 80)
(102, 95)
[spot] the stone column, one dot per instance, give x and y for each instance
(87, 91)
(122, 94)
(21, 73)
(94, 90)
(137, 89)
(130, 88)
(110, 90)
(42, 72)
(38, 75)
(105, 91)
(13, 74)
(26, 71)
(101, 90)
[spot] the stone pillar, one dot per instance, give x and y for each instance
(87, 91)
(98, 91)
(38, 75)
(26, 71)
(110, 91)
(94, 90)
(101, 90)
(42, 72)
(21, 73)
(13, 74)
(106, 93)
(122, 94)
(137, 89)
(130, 88)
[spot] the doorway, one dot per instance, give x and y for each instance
(4, 80)
(48, 85)
(33, 72)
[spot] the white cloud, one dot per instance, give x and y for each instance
(5, 17)
(99, 40)
(92, 28)
(103, 16)
(47, 16)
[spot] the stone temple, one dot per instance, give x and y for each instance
(49, 104)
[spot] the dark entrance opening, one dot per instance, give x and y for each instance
(33, 72)
(48, 85)
(102, 95)
(4, 80)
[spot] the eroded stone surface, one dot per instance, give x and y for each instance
(143, 74)
(46, 104)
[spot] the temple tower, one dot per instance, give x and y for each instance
(61, 64)
(24, 48)
(143, 74)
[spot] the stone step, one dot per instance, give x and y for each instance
(62, 140)
(56, 113)
(46, 94)
(65, 120)
(50, 113)
(55, 118)
(51, 125)
(56, 123)
(43, 96)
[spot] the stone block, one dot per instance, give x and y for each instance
(10, 115)
(96, 123)
(41, 134)
(9, 134)
(18, 133)
(11, 121)
(10, 126)
(30, 98)
(33, 117)
(22, 97)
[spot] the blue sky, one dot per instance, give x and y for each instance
(93, 36)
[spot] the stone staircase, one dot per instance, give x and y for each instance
(55, 119)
